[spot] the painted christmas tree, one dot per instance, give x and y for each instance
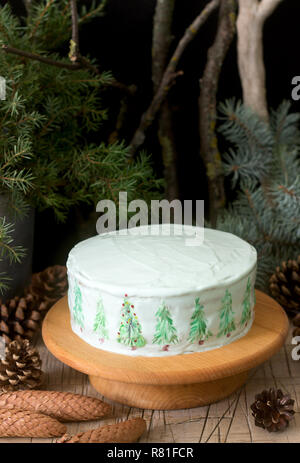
(100, 322)
(227, 324)
(165, 331)
(198, 328)
(77, 308)
(246, 314)
(130, 331)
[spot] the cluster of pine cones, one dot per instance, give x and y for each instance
(20, 319)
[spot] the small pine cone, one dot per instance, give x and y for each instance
(21, 423)
(272, 410)
(120, 433)
(285, 285)
(20, 318)
(64, 406)
(21, 368)
(49, 285)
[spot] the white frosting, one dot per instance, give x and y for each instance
(155, 269)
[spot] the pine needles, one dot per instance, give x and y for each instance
(48, 114)
(263, 165)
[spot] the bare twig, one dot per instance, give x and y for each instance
(42, 59)
(162, 38)
(74, 54)
(208, 106)
(169, 76)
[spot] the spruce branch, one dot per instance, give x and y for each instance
(39, 19)
(264, 165)
(169, 76)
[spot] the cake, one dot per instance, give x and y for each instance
(149, 292)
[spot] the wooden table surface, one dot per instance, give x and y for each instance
(227, 421)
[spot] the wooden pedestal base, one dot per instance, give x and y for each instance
(168, 397)
(173, 382)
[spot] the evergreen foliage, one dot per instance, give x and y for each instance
(8, 250)
(264, 167)
(48, 114)
(165, 331)
(198, 329)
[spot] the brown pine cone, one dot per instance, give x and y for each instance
(20, 318)
(49, 285)
(64, 406)
(21, 423)
(285, 285)
(119, 433)
(272, 410)
(21, 368)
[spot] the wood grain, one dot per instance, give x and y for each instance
(173, 382)
(229, 420)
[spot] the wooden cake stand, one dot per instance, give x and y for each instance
(174, 382)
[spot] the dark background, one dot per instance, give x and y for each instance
(121, 42)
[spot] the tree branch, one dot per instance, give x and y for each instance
(266, 8)
(162, 38)
(74, 46)
(162, 22)
(169, 76)
(208, 106)
(250, 22)
(42, 59)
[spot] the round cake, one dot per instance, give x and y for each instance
(149, 292)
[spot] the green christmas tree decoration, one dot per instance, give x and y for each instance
(227, 324)
(100, 322)
(246, 314)
(198, 327)
(77, 308)
(165, 331)
(130, 331)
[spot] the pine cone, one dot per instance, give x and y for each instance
(21, 368)
(120, 433)
(49, 285)
(20, 318)
(64, 406)
(272, 410)
(22, 423)
(285, 285)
